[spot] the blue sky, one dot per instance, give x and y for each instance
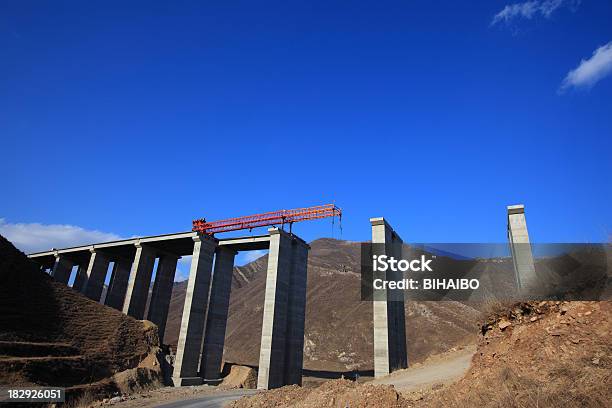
(132, 118)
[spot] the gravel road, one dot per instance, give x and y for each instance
(217, 400)
(442, 371)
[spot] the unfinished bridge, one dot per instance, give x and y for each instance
(199, 353)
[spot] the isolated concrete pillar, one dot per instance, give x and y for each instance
(283, 321)
(389, 314)
(139, 282)
(118, 284)
(216, 321)
(518, 238)
(162, 292)
(194, 312)
(62, 269)
(96, 274)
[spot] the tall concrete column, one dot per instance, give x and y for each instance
(282, 332)
(518, 238)
(162, 292)
(216, 320)
(96, 274)
(398, 325)
(62, 269)
(389, 315)
(81, 276)
(117, 287)
(296, 317)
(194, 312)
(139, 282)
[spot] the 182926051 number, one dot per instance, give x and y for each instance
(34, 394)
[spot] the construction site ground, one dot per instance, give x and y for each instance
(436, 371)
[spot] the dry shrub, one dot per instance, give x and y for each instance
(566, 386)
(87, 399)
(560, 359)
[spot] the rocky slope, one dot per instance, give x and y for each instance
(546, 354)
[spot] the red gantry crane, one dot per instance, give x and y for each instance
(281, 217)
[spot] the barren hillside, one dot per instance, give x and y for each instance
(547, 354)
(52, 335)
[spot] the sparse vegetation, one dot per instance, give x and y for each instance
(52, 335)
(551, 354)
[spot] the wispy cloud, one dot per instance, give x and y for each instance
(531, 9)
(590, 71)
(33, 237)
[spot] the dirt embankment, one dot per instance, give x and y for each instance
(334, 393)
(546, 354)
(52, 335)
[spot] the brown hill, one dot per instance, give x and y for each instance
(51, 335)
(547, 354)
(339, 333)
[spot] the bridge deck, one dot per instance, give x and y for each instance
(180, 244)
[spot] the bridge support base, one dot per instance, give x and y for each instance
(389, 314)
(282, 333)
(194, 312)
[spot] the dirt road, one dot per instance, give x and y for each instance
(217, 400)
(443, 369)
(440, 369)
(182, 397)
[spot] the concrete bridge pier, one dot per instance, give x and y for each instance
(117, 286)
(389, 314)
(194, 310)
(282, 332)
(139, 282)
(520, 247)
(162, 292)
(296, 316)
(216, 321)
(62, 269)
(81, 276)
(96, 273)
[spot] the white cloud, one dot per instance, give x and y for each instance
(526, 10)
(590, 71)
(530, 9)
(34, 237)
